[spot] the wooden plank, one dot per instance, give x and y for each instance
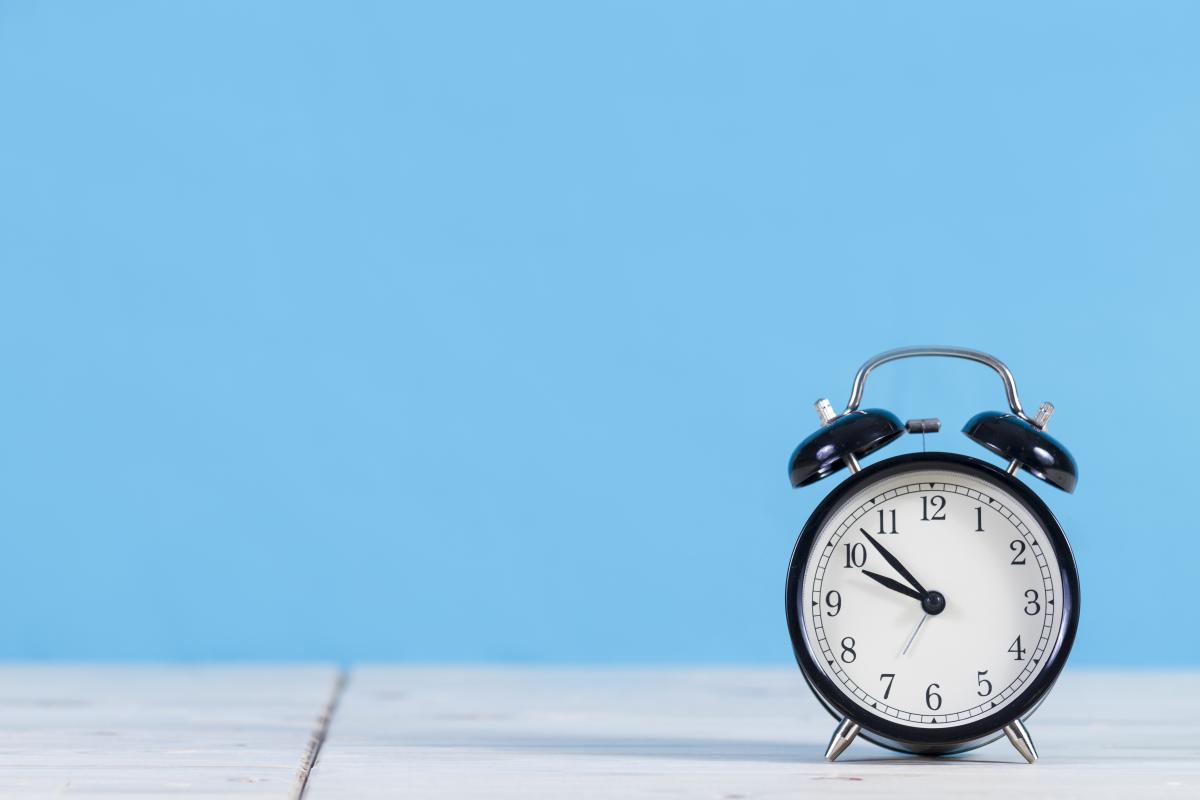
(155, 732)
(726, 734)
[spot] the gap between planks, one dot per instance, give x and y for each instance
(317, 740)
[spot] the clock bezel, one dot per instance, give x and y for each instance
(955, 737)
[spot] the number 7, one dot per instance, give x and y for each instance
(891, 676)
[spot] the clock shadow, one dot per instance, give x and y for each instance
(954, 759)
(674, 748)
(702, 749)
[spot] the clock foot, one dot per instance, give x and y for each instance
(842, 737)
(1019, 737)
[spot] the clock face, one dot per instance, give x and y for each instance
(931, 596)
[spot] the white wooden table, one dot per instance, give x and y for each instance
(152, 732)
(565, 733)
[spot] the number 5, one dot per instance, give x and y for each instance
(981, 681)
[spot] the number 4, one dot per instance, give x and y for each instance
(1017, 650)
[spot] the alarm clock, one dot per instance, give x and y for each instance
(932, 598)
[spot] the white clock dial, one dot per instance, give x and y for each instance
(887, 641)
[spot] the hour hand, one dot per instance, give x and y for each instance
(894, 585)
(891, 559)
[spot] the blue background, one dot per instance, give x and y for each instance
(483, 331)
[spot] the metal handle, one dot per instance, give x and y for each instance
(1010, 384)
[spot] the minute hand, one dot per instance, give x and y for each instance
(896, 565)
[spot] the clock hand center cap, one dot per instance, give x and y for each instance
(933, 602)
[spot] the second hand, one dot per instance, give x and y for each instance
(912, 638)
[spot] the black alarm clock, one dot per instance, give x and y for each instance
(932, 598)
